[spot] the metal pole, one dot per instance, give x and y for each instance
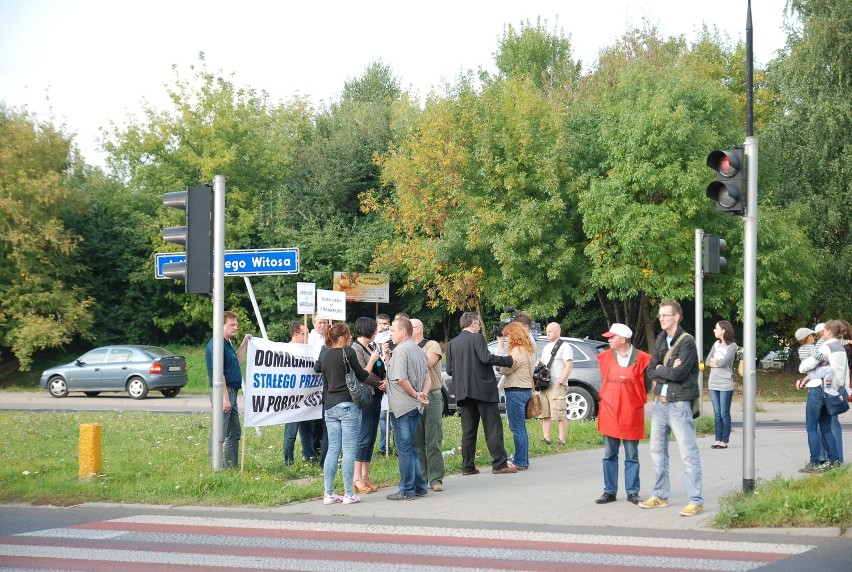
(217, 434)
(750, 315)
(699, 314)
(749, 273)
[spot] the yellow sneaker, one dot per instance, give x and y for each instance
(654, 502)
(692, 510)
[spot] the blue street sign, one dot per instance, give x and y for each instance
(263, 262)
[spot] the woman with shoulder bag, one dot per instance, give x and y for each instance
(365, 332)
(342, 416)
(720, 360)
(518, 386)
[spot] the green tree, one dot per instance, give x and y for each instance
(214, 128)
(657, 114)
(41, 305)
(317, 206)
(482, 214)
(808, 143)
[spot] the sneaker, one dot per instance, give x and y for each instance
(692, 510)
(654, 502)
(351, 499)
(400, 496)
(561, 442)
(331, 499)
(422, 493)
(812, 468)
(634, 498)
(437, 487)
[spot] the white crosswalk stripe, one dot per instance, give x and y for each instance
(165, 543)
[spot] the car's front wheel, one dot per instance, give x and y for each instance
(581, 406)
(170, 391)
(137, 388)
(57, 387)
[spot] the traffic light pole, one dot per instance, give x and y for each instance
(699, 313)
(750, 315)
(216, 432)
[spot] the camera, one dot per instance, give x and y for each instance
(507, 317)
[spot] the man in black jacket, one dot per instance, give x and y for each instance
(471, 366)
(674, 371)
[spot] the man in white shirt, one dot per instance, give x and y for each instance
(553, 404)
(317, 335)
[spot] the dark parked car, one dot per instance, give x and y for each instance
(584, 382)
(134, 369)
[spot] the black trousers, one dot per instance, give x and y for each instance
(472, 411)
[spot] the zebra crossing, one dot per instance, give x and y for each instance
(166, 543)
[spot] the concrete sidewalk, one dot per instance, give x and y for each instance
(561, 489)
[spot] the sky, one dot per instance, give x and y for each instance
(86, 63)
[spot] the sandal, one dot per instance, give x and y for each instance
(371, 485)
(364, 489)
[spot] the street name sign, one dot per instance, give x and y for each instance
(262, 262)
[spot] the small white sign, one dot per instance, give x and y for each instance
(331, 304)
(306, 293)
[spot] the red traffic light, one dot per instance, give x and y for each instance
(727, 191)
(725, 163)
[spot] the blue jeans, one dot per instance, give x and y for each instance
(631, 465)
(343, 423)
(231, 431)
(516, 413)
(411, 479)
(818, 424)
(367, 434)
(722, 413)
(305, 429)
(675, 417)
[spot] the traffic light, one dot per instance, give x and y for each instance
(197, 237)
(727, 190)
(713, 261)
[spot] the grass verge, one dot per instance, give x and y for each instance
(162, 459)
(811, 501)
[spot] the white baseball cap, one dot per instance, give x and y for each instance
(803, 333)
(618, 330)
(819, 327)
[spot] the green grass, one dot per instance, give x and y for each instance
(140, 450)
(811, 501)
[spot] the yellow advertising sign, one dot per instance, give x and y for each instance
(363, 287)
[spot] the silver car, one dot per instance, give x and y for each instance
(134, 369)
(584, 382)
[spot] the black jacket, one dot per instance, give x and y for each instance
(471, 366)
(682, 380)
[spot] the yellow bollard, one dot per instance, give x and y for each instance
(90, 451)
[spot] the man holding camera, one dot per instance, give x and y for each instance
(560, 358)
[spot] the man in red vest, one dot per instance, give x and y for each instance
(621, 415)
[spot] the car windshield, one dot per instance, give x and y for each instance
(156, 352)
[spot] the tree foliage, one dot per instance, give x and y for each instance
(810, 141)
(41, 305)
(537, 187)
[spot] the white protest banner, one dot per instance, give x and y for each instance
(331, 304)
(306, 293)
(281, 385)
